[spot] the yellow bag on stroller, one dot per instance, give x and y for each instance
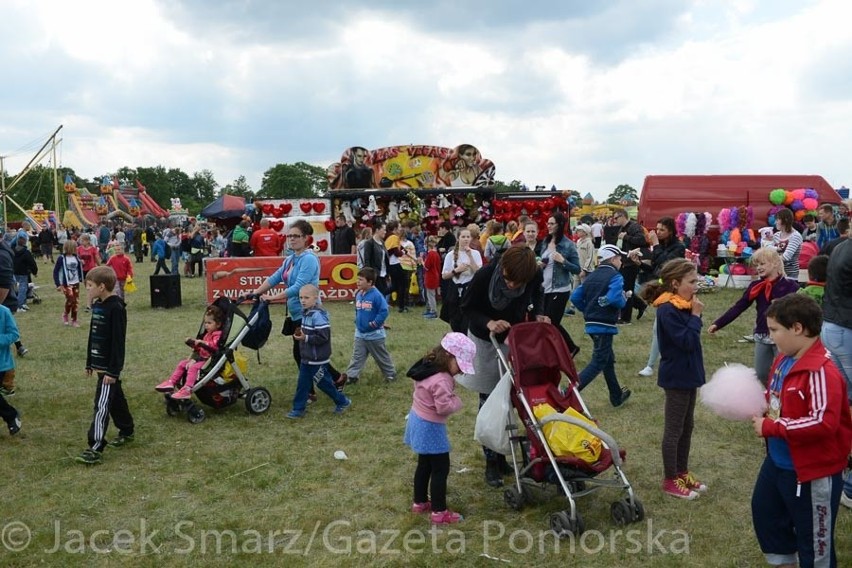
(566, 439)
(228, 371)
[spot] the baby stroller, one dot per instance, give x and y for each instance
(538, 356)
(217, 388)
(32, 294)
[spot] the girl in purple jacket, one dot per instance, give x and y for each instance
(426, 431)
(772, 284)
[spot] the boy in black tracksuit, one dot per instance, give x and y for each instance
(105, 355)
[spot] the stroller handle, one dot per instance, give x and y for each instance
(243, 298)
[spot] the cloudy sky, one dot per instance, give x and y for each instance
(583, 95)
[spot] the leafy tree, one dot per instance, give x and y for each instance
(502, 187)
(293, 181)
(623, 191)
(205, 186)
(240, 188)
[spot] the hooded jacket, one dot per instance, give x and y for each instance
(316, 347)
(814, 420)
(434, 392)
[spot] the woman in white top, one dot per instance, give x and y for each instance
(788, 242)
(459, 266)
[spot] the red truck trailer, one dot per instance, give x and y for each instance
(670, 195)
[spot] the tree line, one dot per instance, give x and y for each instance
(282, 181)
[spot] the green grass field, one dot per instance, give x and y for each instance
(262, 490)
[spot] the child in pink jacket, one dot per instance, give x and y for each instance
(426, 432)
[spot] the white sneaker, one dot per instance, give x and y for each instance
(845, 500)
(647, 372)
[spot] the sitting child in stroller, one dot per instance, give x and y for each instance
(202, 350)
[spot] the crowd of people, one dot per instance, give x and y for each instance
(489, 279)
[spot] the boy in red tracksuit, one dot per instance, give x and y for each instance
(808, 433)
(123, 268)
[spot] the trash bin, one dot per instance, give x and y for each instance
(165, 291)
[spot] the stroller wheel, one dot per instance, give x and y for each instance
(172, 407)
(513, 498)
(622, 513)
(562, 525)
(258, 400)
(195, 414)
(638, 511)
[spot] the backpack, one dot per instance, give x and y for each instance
(260, 330)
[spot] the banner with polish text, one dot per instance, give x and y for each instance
(232, 277)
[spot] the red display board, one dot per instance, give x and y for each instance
(231, 277)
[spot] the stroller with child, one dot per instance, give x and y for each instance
(222, 382)
(538, 356)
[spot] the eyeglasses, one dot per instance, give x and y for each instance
(295, 236)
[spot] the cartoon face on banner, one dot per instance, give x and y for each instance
(410, 167)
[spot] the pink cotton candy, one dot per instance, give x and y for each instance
(733, 392)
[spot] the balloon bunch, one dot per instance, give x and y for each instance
(277, 211)
(538, 210)
(801, 201)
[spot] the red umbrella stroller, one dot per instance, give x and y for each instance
(538, 356)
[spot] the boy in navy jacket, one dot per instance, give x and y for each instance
(601, 297)
(314, 337)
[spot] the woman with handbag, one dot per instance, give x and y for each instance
(459, 266)
(500, 295)
(298, 269)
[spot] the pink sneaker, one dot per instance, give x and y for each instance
(677, 488)
(424, 507)
(65, 319)
(183, 394)
(165, 386)
(74, 323)
(692, 482)
(445, 517)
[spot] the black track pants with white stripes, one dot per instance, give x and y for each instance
(109, 402)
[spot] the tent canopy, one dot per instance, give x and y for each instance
(226, 207)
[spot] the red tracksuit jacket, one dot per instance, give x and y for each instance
(815, 420)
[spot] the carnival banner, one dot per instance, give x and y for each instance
(410, 167)
(233, 277)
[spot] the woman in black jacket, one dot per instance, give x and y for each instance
(665, 247)
(500, 295)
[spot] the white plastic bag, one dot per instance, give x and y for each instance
(493, 418)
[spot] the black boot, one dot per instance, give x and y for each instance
(493, 477)
(503, 466)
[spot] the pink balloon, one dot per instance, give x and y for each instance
(810, 203)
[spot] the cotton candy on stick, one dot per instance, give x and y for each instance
(735, 393)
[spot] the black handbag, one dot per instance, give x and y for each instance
(290, 326)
